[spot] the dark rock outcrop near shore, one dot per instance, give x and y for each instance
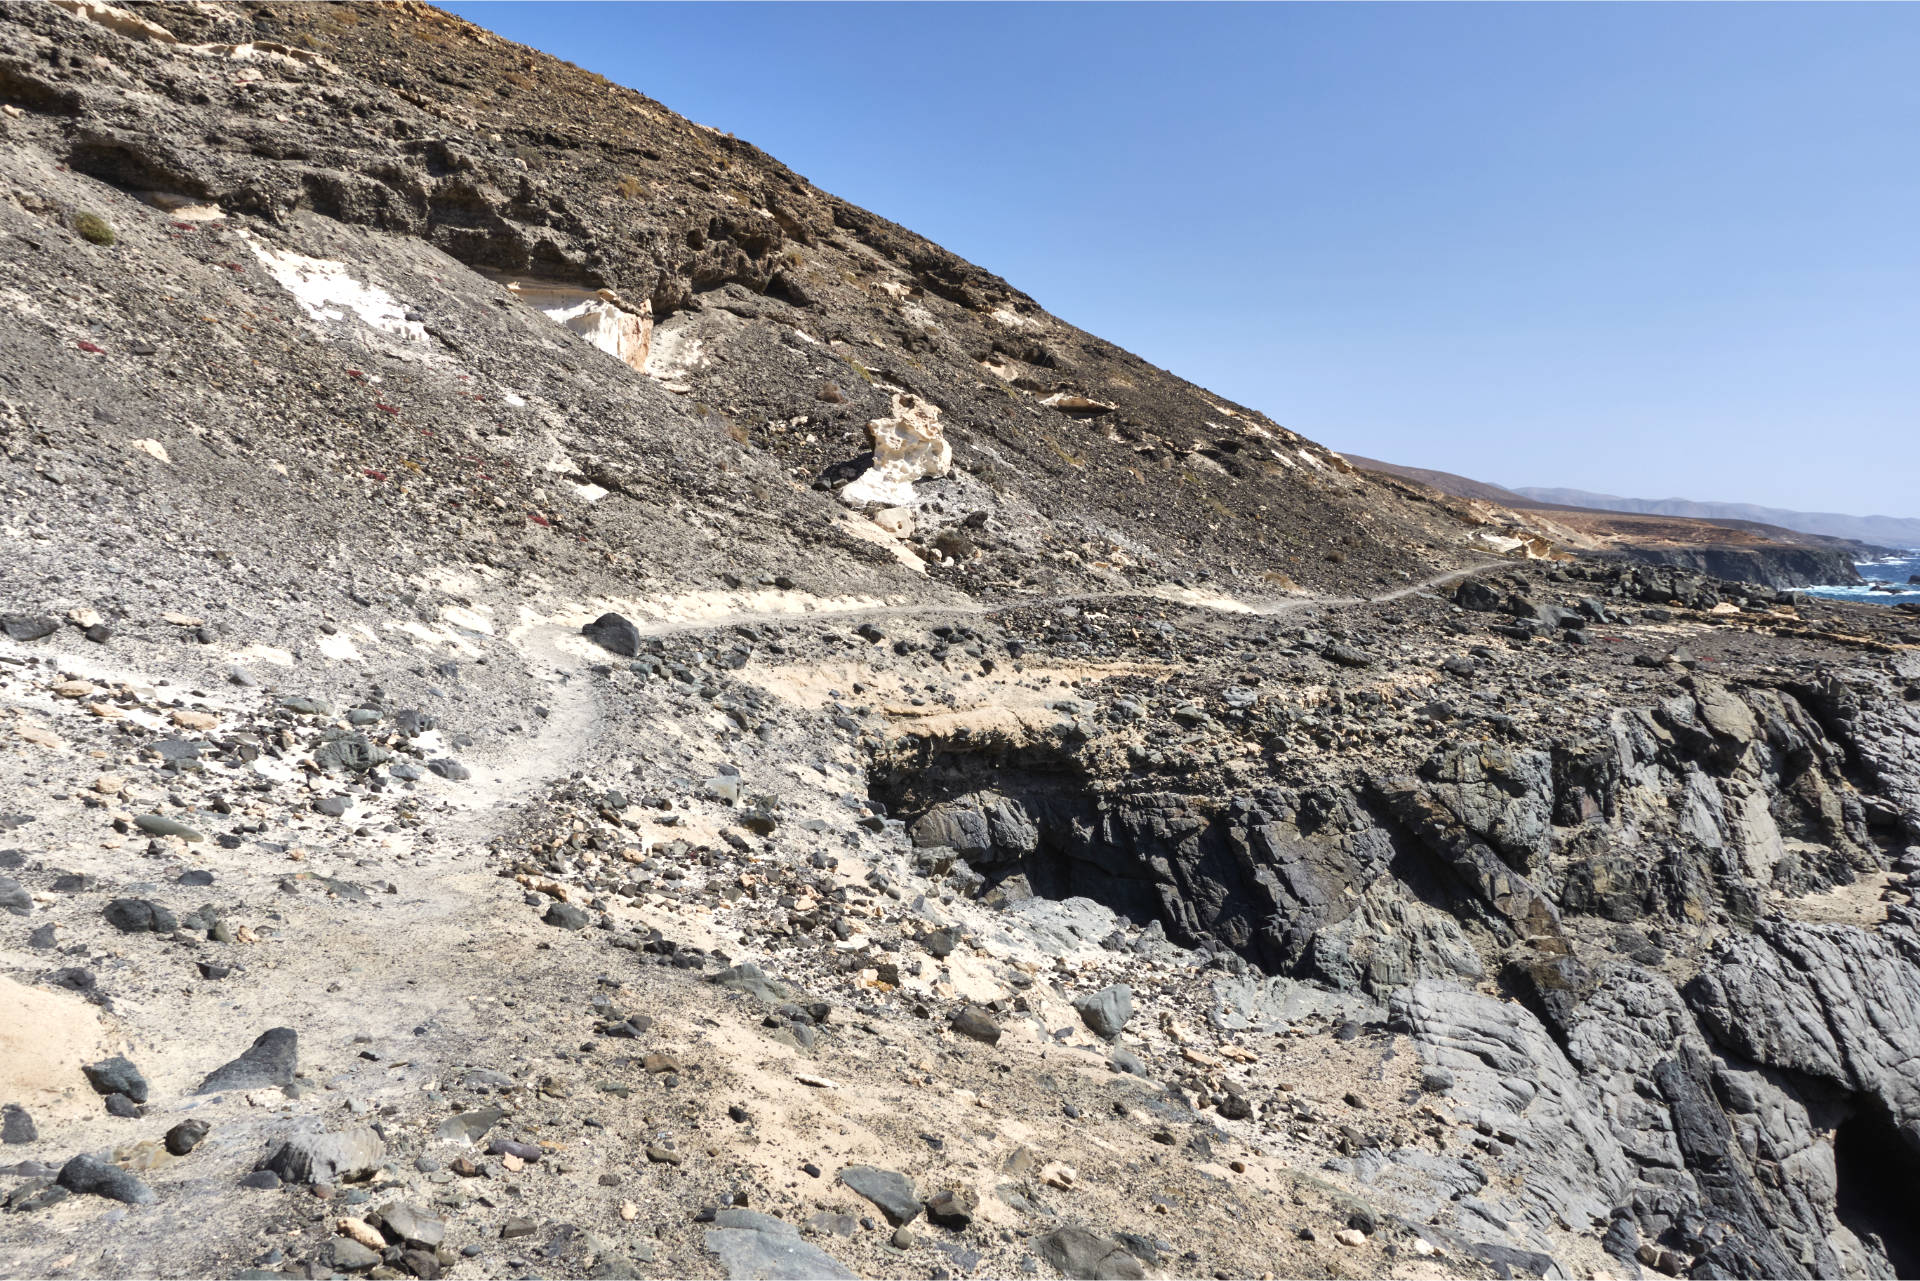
(1770, 566)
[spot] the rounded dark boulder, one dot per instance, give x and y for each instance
(615, 634)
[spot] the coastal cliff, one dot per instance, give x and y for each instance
(1767, 566)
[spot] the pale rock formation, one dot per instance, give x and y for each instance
(906, 447)
(1069, 403)
(121, 21)
(897, 521)
(601, 316)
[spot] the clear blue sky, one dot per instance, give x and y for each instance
(1653, 250)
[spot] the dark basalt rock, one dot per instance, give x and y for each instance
(888, 1189)
(28, 627)
(140, 916)
(615, 634)
(91, 1176)
(118, 1076)
(271, 1060)
(1084, 1256)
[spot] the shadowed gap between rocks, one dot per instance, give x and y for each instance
(1877, 1171)
(1223, 875)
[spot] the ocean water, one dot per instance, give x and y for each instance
(1894, 570)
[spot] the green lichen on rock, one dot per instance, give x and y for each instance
(93, 228)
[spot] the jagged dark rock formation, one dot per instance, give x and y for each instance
(1767, 566)
(1589, 855)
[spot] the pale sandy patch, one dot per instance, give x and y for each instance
(45, 1037)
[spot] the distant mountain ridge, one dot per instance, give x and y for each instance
(1446, 482)
(1726, 547)
(1894, 531)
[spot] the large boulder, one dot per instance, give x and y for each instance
(328, 1158)
(615, 634)
(1106, 1012)
(271, 1060)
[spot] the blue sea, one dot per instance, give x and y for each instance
(1894, 570)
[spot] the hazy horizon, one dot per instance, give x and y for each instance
(1627, 249)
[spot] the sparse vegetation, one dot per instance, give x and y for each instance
(1071, 460)
(631, 188)
(93, 229)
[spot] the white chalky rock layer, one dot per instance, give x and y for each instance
(327, 292)
(601, 316)
(906, 447)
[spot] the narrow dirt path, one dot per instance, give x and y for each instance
(978, 609)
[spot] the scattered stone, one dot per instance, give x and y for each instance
(953, 1208)
(160, 825)
(759, 1247)
(25, 627)
(16, 1125)
(1080, 1254)
(117, 1075)
(185, 1137)
(750, 979)
(566, 916)
(270, 1060)
(350, 1255)
(471, 1126)
(337, 1157)
(91, 1176)
(1106, 1012)
(410, 1225)
(888, 1189)
(140, 916)
(976, 1024)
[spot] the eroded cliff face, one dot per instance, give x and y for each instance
(857, 733)
(1687, 875)
(1768, 566)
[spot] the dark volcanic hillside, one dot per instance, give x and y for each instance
(807, 313)
(573, 706)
